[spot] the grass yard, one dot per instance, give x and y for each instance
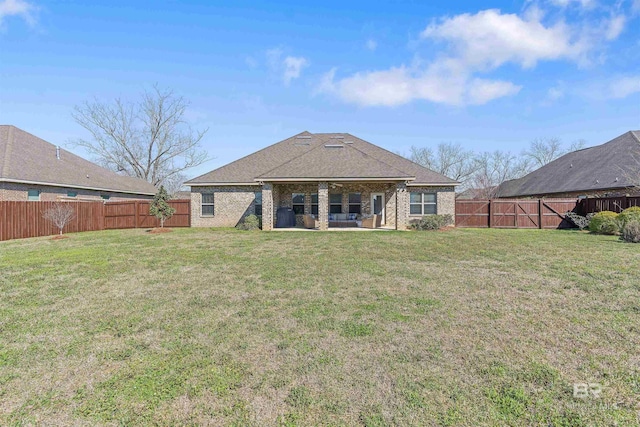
(222, 327)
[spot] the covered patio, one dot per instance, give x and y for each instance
(334, 205)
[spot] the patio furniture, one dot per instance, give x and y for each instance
(309, 221)
(373, 222)
(342, 220)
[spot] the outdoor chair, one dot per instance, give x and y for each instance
(372, 222)
(309, 221)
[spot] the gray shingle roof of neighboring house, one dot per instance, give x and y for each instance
(612, 165)
(321, 156)
(29, 159)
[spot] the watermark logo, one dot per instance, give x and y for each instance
(587, 390)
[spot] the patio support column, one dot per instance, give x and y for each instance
(402, 206)
(267, 206)
(323, 205)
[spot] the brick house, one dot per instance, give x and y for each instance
(609, 169)
(324, 175)
(32, 169)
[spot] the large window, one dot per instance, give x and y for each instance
(258, 203)
(33, 195)
(422, 203)
(355, 200)
(207, 204)
(297, 203)
(314, 204)
(335, 203)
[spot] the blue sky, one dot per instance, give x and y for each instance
(489, 75)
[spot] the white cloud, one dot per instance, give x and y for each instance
(373, 45)
(490, 39)
(401, 85)
(614, 27)
(624, 86)
(587, 4)
(20, 8)
(554, 93)
(288, 68)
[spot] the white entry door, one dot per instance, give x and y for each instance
(377, 205)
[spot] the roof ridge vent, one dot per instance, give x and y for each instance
(336, 137)
(348, 142)
(333, 146)
(302, 144)
(303, 137)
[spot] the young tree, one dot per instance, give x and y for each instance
(149, 139)
(159, 206)
(60, 214)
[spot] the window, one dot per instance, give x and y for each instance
(207, 204)
(33, 195)
(422, 203)
(335, 203)
(72, 193)
(258, 203)
(314, 204)
(355, 199)
(297, 202)
(105, 196)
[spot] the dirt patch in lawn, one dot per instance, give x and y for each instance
(59, 237)
(159, 230)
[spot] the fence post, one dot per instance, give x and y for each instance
(135, 218)
(540, 212)
(490, 214)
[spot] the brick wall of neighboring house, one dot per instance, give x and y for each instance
(231, 204)
(10, 191)
(445, 199)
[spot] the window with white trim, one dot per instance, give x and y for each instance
(207, 204)
(422, 203)
(33, 195)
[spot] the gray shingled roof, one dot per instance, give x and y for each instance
(306, 156)
(27, 158)
(603, 167)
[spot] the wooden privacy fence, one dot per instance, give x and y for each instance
(135, 214)
(615, 204)
(503, 213)
(20, 220)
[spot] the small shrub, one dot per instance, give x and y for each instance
(605, 222)
(251, 222)
(632, 213)
(631, 231)
(431, 222)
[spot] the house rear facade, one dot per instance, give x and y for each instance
(324, 175)
(32, 169)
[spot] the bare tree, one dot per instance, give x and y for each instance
(545, 150)
(60, 214)
(449, 159)
(149, 139)
(494, 168)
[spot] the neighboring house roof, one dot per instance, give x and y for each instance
(321, 156)
(31, 160)
(612, 165)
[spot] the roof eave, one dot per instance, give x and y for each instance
(81, 187)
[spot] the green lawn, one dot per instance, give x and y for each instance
(222, 327)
